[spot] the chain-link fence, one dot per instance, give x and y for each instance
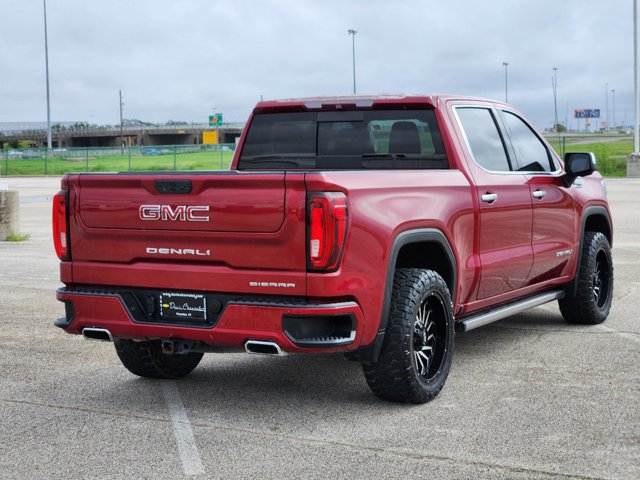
(41, 161)
(611, 154)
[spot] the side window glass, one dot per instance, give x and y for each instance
(531, 153)
(483, 138)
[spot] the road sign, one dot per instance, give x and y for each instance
(587, 113)
(210, 137)
(215, 120)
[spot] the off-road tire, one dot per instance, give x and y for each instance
(592, 300)
(401, 373)
(146, 359)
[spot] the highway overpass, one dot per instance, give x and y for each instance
(130, 135)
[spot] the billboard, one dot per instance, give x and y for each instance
(587, 113)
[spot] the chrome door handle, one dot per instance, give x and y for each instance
(539, 194)
(489, 197)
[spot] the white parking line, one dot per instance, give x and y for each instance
(191, 464)
(628, 336)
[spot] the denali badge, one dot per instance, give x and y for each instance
(178, 251)
(181, 213)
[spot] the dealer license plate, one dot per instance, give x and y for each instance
(187, 306)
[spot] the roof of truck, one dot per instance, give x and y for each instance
(364, 101)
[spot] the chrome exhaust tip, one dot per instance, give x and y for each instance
(94, 333)
(262, 347)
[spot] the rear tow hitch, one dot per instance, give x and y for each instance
(178, 347)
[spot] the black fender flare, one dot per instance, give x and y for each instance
(371, 352)
(586, 213)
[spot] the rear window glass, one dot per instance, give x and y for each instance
(396, 139)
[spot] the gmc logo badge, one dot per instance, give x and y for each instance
(179, 213)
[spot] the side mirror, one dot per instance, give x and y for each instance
(578, 164)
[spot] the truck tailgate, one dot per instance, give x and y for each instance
(165, 222)
(223, 203)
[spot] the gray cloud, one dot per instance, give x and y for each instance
(181, 60)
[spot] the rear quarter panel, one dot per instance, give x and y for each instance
(383, 204)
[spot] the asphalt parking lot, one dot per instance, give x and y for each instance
(528, 397)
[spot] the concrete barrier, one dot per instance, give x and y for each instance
(9, 213)
(633, 165)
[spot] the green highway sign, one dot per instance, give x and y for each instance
(215, 120)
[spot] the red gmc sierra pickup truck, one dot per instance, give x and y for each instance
(374, 226)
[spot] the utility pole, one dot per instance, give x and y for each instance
(636, 107)
(554, 81)
(121, 124)
(633, 160)
(506, 83)
(606, 103)
(46, 61)
(353, 52)
(613, 101)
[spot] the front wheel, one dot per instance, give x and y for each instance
(417, 350)
(592, 300)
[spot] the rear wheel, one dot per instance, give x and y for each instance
(417, 350)
(592, 300)
(146, 359)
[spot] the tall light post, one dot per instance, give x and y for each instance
(636, 106)
(353, 52)
(555, 96)
(46, 61)
(121, 123)
(606, 103)
(506, 82)
(613, 101)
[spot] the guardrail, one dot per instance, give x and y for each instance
(58, 161)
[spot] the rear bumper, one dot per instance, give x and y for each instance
(296, 327)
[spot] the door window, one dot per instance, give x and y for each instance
(532, 155)
(484, 139)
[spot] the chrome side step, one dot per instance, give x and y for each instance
(491, 316)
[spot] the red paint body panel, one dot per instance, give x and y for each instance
(255, 243)
(113, 201)
(268, 231)
(382, 205)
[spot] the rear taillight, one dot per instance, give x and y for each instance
(327, 218)
(60, 225)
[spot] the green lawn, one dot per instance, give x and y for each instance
(76, 161)
(611, 156)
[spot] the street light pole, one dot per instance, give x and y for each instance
(506, 84)
(353, 51)
(636, 107)
(613, 101)
(555, 96)
(606, 103)
(121, 126)
(46, 61)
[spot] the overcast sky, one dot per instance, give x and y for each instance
(185, 59)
